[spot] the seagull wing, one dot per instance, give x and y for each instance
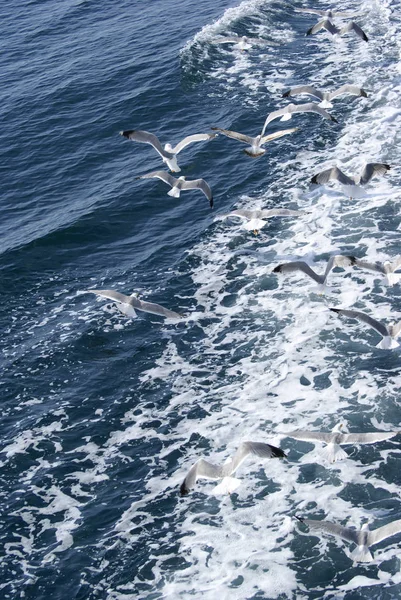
(333, 174)
(234, 135)
(324, 24)
(280, 212)
(311, 436)
(163, 175)
(226, 40)
(136, 135)
(276, 135)
(299, 266)
(348, 89)
(351, 535)
(382, 533)
(275, 115)
(256, 448)
(371, 170)
(202, 468)
(376, 266)
(153, 308)
(241, 214)
(112, 295)
(395, 265)
(197, 137)
(360, 316)
(366, 438)
(199, 184)
(312, 107)
(352, 26)
(304, 89)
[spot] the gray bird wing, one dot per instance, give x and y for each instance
(382, 533)
(290, 267)
(202, 468)
(352, 26)
(235, 136)
(163, 175)
(111, 295)
(370, 170)
(276, 114)
(197, 137)
(333, 174)
(242, 214)
(351, 535)
(304, 89)
(311, 436)
(279, 212)
(360, 316)
(324, 24)
(136, 135)
(198, 184)
(362, 264)
(348, 89)
(256, 448)
(226, 40)
(153, 308)
(312, 107)
(276, 135)
(366, 438)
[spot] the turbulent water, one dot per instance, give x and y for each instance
(102, 416)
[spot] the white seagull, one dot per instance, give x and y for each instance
(363, 538)
(336, 438)
(256, 219)
(284, 114)
(388, 332)
(257, 142)
(386, 268)
(325, 97)
(243, 42)
(334, 261)
(181, 184)
(203, 468)
(168, 153)
(351, 184)
(329, 13)
(128, 305)
(331, 28)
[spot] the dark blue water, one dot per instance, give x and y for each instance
(102, 415)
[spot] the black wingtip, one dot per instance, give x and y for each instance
(309, 32)
(277, 269)
(363, 93)
(211, 202)
(314, 179)
(184, 491)
(286, 94)
(277, 452)
(352, 259)
(127, 133)
(334, 119)
(387, 167)
(214, 128)
(365, 38)
(336, 310)
(301, 519)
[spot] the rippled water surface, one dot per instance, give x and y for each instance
(102, 416)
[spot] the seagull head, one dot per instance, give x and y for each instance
(168, 147)
(338, 427)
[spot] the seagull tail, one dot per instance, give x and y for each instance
(362, 554)
(393, 278)
(174, 192)
(226, 486)
(173, 165)
(334, 452)
(325, 104)
(388, 343)
(127, 310)
(286, 117)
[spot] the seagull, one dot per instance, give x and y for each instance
(257, 142)
(255, 219)
(332, 451)
(331, 28)
(389, 332)
(286, 113)
(325, 97)
(168, 153)
(351, 184)
(203, 468)
(327, 13)
(128, 305)
(363, 538)
(244, 42)
(334, 261)
(387, 268)
(181, 184)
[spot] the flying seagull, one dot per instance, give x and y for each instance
(243, 42)
(128, 305)
(351, 184)
(334, 261)
(181, 184)
(257, 142)
(386, 268)
(336, 438)
(284, 114)
(256, 219)
(325, 97)
(389, 332)
(203, 468)
(168, 153)
(331, 28)
(363, 538)
(327, 13)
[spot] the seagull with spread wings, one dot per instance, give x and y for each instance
(388, 332)
(177, 185)
(387, 268)
(334, 30)
(243, 42)
(337, 260)
(128, 305)
(351, 184)
(284, 114)
(326, 97)
(256, 219)
(168, 153)
(255, 150)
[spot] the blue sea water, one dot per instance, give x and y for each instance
(102, 416)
